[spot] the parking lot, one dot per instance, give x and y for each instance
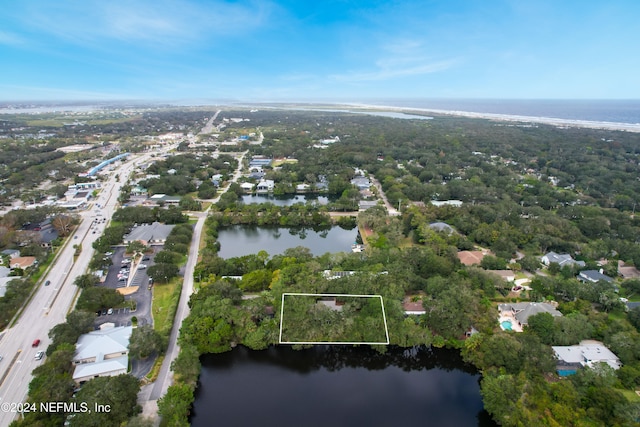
(140, 280)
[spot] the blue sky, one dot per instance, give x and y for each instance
(319, 50)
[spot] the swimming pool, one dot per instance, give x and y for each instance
(506, 325)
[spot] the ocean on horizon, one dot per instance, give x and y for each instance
(615, 111)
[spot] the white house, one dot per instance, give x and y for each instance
(587, 353)
(456, 203)
(247, 187)
(265, 186)
(330, 275)
(303, 188)
(102, 353)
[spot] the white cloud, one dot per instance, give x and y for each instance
(394, 68)
(11, 39)
(41, 93)
(396, 58)
(159, 22)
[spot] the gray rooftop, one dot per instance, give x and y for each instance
(441, 226)
(594, 276)
(4, 271)
(524, 310)
(101, 368)
(4, 281)
(563, 259)
(587, 353)
(631, 305)
(149, 232)
(103, 342)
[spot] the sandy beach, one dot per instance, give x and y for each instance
(629, 127)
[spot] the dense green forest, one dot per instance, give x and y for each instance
(525, 190)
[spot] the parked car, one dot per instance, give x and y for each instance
(35, 343)
(142, 266)
(108, 253)
(39, 355)
(110, 311)
(146, 258)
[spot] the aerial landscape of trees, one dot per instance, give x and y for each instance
(521, 190)
(523, 195)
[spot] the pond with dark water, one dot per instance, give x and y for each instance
(336, 386)
(288, 200)
(243, 240)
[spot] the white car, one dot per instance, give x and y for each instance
(142, 266)
(39, 355)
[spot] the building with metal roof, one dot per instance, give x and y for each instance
(101, 353)
(149, 234)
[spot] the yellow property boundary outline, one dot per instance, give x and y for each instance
(384, 318)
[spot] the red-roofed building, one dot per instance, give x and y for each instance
(413, 307)
(22, 262)
(471, 257)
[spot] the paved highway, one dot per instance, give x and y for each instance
(50, 305)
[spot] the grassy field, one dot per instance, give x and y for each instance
(165, 301)
(164, 304)
(56, 120)
(155, 370)
(631, 396)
